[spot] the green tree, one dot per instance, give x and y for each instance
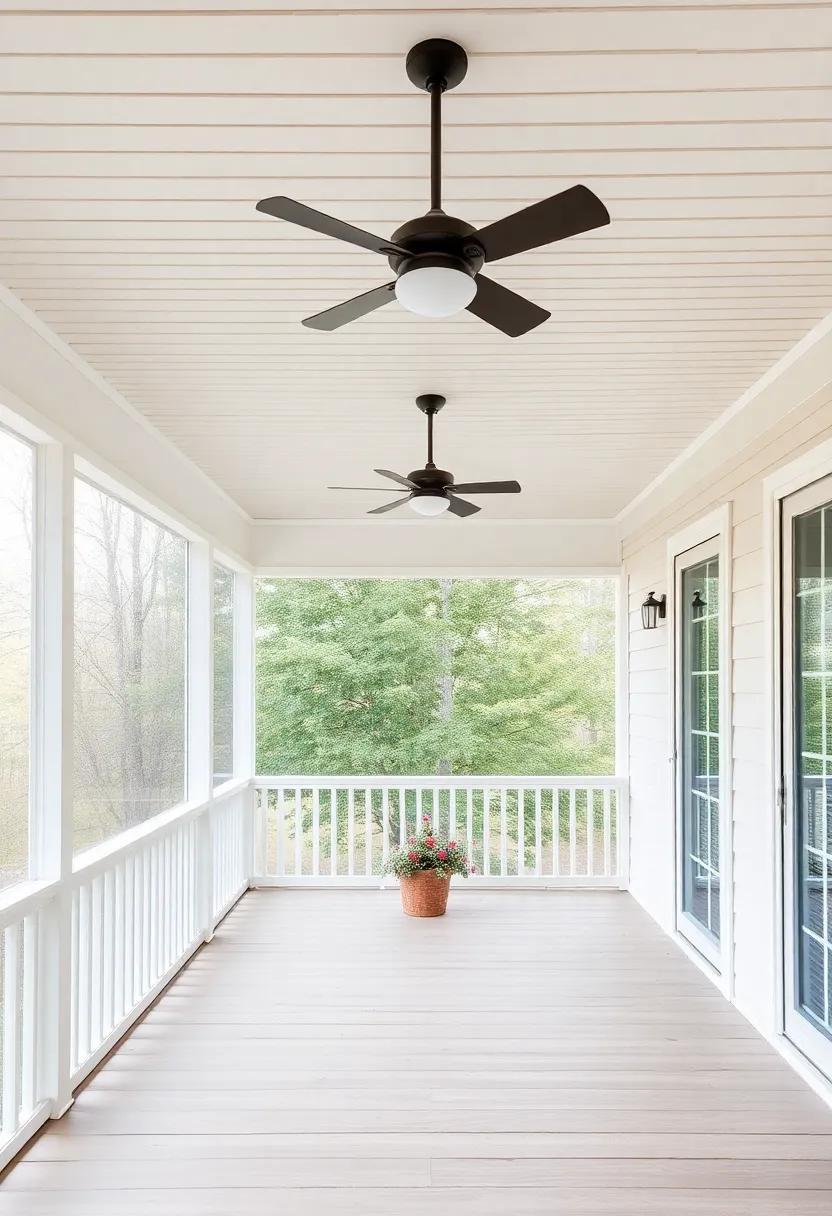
(419, 676)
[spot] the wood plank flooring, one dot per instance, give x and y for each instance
(529, 1053)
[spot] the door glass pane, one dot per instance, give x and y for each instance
(699, 609)
(812, 596)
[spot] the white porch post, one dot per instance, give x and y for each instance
(201, 718)
(244, 740)
(52, 761)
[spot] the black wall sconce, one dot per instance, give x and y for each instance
(653, 610)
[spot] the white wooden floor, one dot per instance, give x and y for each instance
(529, 1053)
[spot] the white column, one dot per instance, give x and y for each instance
(201, 718)
(52, 759)
(244, 740)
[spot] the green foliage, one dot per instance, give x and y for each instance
(419, 676)
(428, 851)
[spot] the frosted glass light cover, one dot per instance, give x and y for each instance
(429, 504)
(435, 291)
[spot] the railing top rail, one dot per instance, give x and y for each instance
(25, 897)
(433, 781)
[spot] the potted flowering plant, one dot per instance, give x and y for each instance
(424, 866)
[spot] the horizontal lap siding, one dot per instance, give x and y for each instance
(739, 480)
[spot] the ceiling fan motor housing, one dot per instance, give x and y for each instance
(430, 480)
(437, 239)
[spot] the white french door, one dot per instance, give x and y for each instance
(701, 796)
(806, 590)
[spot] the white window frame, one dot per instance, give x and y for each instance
(715, 530)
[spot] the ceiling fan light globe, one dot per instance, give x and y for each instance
(435, 291)
(429, 504)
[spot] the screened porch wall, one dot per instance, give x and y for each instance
(804, 422)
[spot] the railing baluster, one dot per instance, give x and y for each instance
(118, 1006)
(486, 831)
(96, 984)
(607, 834)
(316, 832)
(469, 824)
(590, 831)
(368, 833)
(280, 813)
(350, 831)
(503, 834)
(555, 832)
(521, 832)
(435, 812)
(298, 833)
(385, 825)
(29, 1020)
(573, 834)
(11, 1061)
(75, 971)
(538, 834)
(402, 816)
(128, 996)
(333, 832)
(452, 813)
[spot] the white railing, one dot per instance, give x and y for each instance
(81, 960)
(545, 831)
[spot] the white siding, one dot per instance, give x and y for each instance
(739, 480)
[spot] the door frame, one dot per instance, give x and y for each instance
(796, 475)
(799, 1030)
(715, 526)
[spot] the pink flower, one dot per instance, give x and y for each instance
(413, 857)
(451, 844)
(430, 842)
(426, 819)
(442, 855)
(411, 840)
(473, 869)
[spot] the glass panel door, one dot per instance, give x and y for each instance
(807, 753)
(699, 798)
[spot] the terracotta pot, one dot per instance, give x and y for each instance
(423, 894)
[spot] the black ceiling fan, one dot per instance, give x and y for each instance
(432, 491)
(437, 258)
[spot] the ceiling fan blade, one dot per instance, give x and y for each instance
(403, 481)
(504, 309)
(566, 214)
(458, 506)
(487, 487)
(283, 208)
(388, 506)
(378, 489)
(351, 310)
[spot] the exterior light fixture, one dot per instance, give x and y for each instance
(698, 604)
(653, 610)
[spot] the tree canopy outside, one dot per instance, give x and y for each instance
(418, 676)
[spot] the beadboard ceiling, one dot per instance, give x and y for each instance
(136, 138)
